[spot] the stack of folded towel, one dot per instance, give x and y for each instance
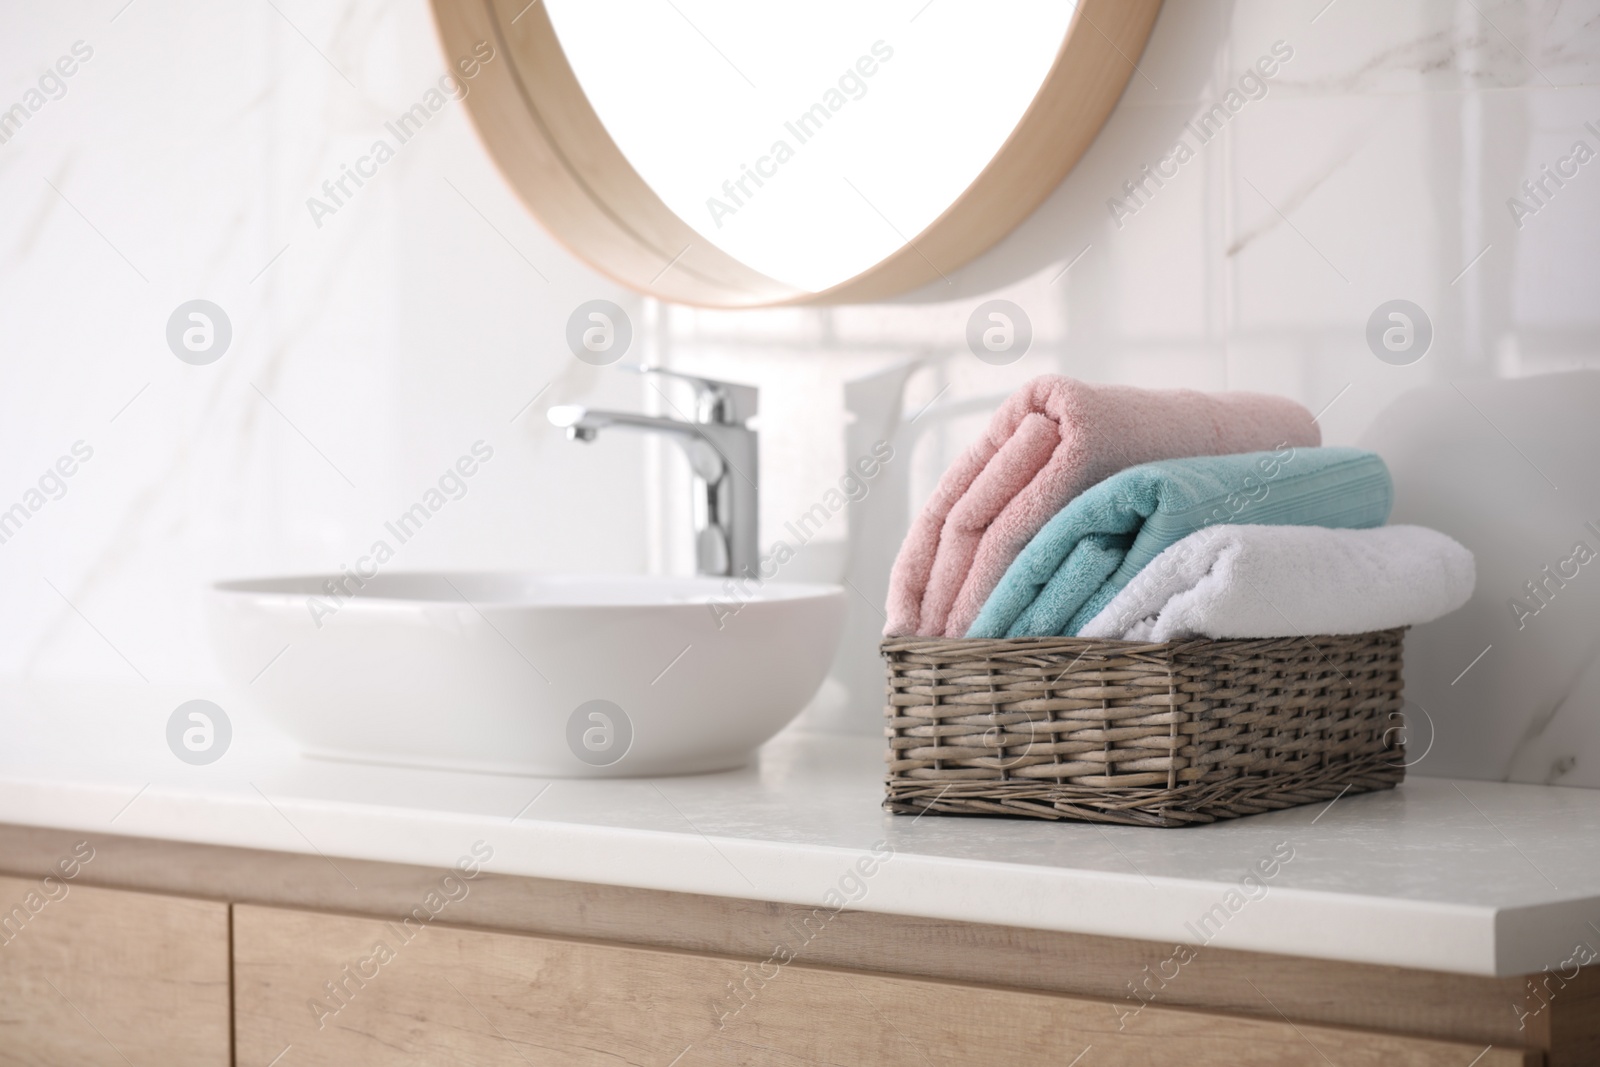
(1152, 515)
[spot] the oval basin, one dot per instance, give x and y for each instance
(568, 676)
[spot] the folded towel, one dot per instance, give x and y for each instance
(1289, 581)
(1089, 551)
(1051, 440)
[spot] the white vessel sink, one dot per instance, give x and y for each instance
(567, 676)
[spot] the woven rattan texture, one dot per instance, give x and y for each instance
(1168, 734)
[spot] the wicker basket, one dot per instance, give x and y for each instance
(1169, 734)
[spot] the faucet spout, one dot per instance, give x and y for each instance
(585, 424)
(723, 453)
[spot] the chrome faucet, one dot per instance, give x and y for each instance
(723, 452)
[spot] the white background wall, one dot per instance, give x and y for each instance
(426, 313)
(418, 319)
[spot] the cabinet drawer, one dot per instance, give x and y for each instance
(347, 991)
(101, 976)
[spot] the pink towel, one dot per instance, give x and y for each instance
(1051, 440)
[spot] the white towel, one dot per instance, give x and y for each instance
(1289, 581)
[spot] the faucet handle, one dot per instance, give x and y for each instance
(727, 403)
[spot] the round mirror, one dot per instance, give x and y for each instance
(731, 154)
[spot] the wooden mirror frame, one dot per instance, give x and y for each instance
(547, 140)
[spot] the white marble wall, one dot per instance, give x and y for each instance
(367, 353)
(370, 351)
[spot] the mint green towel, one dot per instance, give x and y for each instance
(1092, 547)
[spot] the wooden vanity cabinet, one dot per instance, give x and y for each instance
(351, 992)
(143, 962)
(103, 976)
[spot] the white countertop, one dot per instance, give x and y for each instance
(1471, 877)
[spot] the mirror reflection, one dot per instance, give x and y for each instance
(809, 143)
